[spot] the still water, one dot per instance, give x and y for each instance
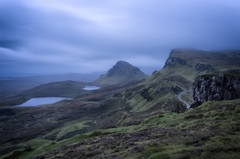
(42, 101)
(89, 88)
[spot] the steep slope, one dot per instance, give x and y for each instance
(121, 73)
(191, 63)
(216, 87)
(159, 92)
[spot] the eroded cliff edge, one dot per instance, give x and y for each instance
(216, 87)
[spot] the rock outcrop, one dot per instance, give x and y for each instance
(204, 67)
(172, 61)
(210, 61)
(216, 87)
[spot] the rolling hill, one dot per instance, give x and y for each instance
(15, 85)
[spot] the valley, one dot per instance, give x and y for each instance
(130, 115)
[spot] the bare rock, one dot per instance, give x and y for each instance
(216, 87)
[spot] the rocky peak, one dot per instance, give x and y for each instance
(216, 87)
(122, 68)
(121, 72)
(119, 63)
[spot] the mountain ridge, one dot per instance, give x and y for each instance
(158, 93)
(228, 58)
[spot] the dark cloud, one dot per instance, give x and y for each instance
(86, 36)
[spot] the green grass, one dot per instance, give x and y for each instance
(208, 131)
(72, 126)
(162, 119)
(187, 96)
(155, 151)
(222, 117)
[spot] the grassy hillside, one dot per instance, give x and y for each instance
(160, 90)
(209, 131)
(99, 109)
(142, 119)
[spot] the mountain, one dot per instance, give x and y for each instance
(121, 73)
(144, 119)
(160, 90)
(190, 63)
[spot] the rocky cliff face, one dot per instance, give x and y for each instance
(200, 60)
(215, 87)
(171, 61)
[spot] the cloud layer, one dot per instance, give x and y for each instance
(60, 36)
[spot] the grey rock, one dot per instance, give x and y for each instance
(203, 67)
(172, 61)
(216, 88)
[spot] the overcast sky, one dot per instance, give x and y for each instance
(83, 36)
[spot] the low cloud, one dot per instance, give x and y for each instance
(88, 36)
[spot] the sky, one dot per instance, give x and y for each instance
(84, 36)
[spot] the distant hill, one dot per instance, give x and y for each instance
(14, 85)
(121, 73)
(68, 88)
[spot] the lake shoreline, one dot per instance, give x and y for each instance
(91, 88)
(42, 101)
